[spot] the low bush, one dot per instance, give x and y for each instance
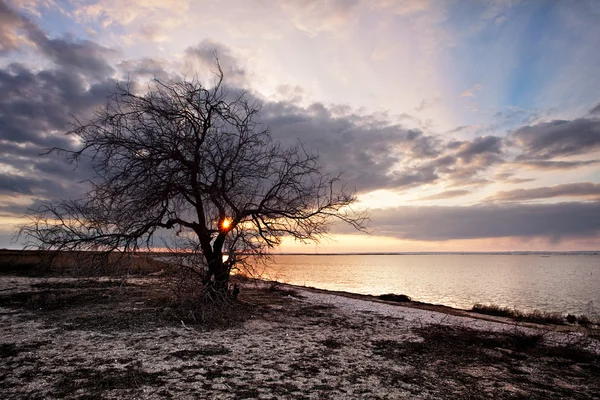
(536, 316)
(544, 317)
(398, 298)
(494, 309)
(584, 320)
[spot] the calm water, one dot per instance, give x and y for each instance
(562, 283)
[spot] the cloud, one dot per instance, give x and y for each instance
(471, 91)
(403, 7)
(296, 95)
(202, 57)
(14, 185)
(13, 28)
(552, 221)
(83, 56)
(367, 149)
(448, 194)
(144, 68)
(486, 148)
(375, 154)
(595, 110)
(509, 177)
(468, 97)
(36, 108)
(428, 103)
(316, 16)
(11, 184)
(582, 189)
(557, 138)
(554, 165)
(149, 16)
(462, 163)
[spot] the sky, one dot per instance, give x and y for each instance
(462, 125)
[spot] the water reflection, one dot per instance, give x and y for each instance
(561, 283)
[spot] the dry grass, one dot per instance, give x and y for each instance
(536, 316)
(82, 264)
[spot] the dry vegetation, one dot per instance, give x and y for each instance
(537, 316)
(106, 337)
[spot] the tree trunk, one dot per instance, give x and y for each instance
(218, 276)
(221, 277)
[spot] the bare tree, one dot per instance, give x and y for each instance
(194, 159)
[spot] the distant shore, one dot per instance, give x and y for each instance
(400, 253)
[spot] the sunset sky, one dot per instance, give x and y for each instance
(463, 125)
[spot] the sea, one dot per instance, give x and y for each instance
(553, 282)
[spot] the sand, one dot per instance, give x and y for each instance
(113, 339)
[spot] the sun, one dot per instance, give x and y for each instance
(226, 224)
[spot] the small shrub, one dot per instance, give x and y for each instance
(187, 300)
(583, 320)
(398, 298)
(571, 318)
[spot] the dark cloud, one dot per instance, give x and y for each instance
(595, 110)
(553, 221)
(463, 163)
(557, 138)
(36, 109)
(367, 150)
(448, 194)
(487, 147)
(37, 106)
(581, 189)
(374, 153)
(14, 185)
(83, 56)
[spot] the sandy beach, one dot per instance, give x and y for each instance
(114, 339)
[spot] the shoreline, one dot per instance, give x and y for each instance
(438, 308)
